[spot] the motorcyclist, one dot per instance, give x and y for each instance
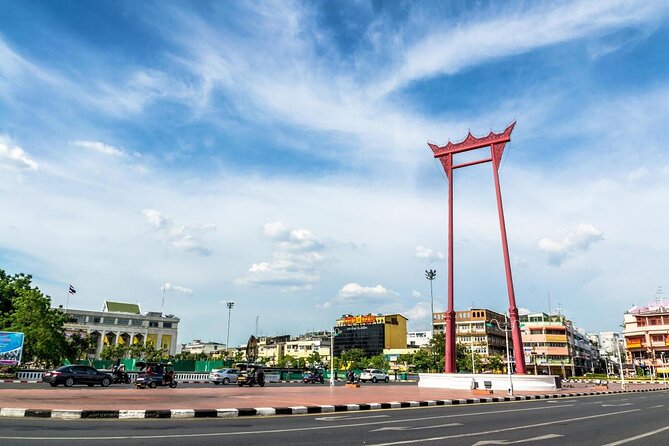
(261, 377)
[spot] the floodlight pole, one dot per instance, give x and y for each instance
(229, 304)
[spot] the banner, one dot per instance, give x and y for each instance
(11, 348)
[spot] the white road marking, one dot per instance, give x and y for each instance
(527, 440)
(657, 407)
(559, 401)
(506, 429)
(349, 417)
(409, 428)
(278, 431)
(636, 437)
(617, 405)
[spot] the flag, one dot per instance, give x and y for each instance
(72, 290)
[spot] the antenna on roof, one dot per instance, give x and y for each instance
(163, 302)
(549, 302)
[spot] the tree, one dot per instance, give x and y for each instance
(79, 347)
(354, 358)
(314, 359)
(495, 363)
(285, 361)
(24, 308)
(113, 352)
(379, 362)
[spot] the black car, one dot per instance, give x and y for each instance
(77, 374)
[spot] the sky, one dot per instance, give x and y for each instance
(275, 154)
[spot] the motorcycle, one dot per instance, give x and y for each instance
(120, 376)
(313, 377)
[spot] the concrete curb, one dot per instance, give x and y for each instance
(131, 414)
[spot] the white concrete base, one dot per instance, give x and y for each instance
(498, 382)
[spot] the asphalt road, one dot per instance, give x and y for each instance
(636, 418)
(190, 385)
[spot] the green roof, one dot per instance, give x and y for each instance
(121, 307)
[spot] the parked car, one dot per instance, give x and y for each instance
(223, 376)
(77, 374)
(373, 375)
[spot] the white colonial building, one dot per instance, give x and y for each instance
(121, 323)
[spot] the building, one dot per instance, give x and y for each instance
(418, 339)
(121, 323)
(646, 334)
(371, 333)
(197, 347)
(476, 330)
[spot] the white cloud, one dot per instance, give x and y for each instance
(156, 219)
(419, 314)
(638, 174)
(577, 240)
(99, 147)
(450, 49)
(178, 288)
(180, 238)
(416, 294)
(14, 156)
(428, 254)
(354, 291)
(297, 252)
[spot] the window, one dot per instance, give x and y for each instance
(135, 322)
(96, 320)
(153, 324)
(167, 324)
(657, 338)
(123, 321)
(108, 320)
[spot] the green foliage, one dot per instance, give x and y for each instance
(354, 358)
(25, 309)
(495, 363)
(285, 361)
(379, 362)
(314, 359)
(79, 347)
(238, 356)
(113, 352)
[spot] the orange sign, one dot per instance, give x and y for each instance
(358, 320)
(633, 343)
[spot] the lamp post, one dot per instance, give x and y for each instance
(534, 359)
(506, 329)
(620, 360)
(229, 304)
(472, 347)
(430, 274)
(332, 380)
(664, 369)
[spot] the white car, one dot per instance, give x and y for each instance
(373, 375)
(223, 376)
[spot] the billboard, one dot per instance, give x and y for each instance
(11, 348)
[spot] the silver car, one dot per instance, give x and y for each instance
(223, 376)
(373, 375)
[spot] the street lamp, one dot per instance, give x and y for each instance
(430, 274)
(229, 304)
(534, 359)
(620, 360)
(664, 369)
(506, 329)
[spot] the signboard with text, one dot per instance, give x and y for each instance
(11, 348)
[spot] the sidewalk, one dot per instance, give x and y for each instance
(228, 401)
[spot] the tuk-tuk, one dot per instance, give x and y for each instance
(254, 374)
(154, 374)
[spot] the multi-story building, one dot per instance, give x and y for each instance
(306, 345)
(646, 333)
(418, 339)
(371, 333)
(121, 323)
(198, 347)
(546, 341)
(475, 330)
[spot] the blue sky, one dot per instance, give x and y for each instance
(274, 154)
